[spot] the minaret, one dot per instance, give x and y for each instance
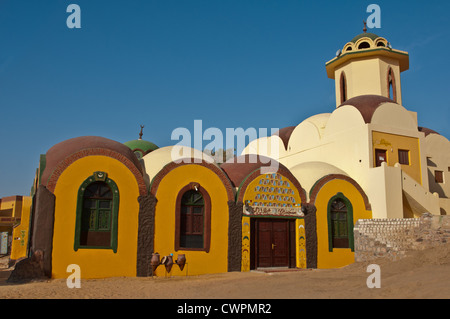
(368, 65)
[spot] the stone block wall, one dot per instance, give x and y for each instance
(393, 238)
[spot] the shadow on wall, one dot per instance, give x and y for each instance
(435, 187)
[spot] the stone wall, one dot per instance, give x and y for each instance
(393, 238)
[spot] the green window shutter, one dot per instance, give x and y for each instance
(97, 213)
(340, 223)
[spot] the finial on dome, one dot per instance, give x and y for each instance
(140, 133)
(365, 26)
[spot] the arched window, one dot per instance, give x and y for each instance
(392, 92)
(340, 223)
(343, 86)
(364, 45)
(193, 219)
(97, 213)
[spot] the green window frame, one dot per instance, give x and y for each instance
(97, 213)
(340, 223)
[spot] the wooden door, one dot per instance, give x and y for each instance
(280, 242)
(264, 243)
(273, 242)
(380, 157)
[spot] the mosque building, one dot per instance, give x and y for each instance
(136, 209)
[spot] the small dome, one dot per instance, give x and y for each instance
(365, 41)
(371, 36)
(141, 147)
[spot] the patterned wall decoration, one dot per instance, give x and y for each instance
(245, 266)
(272, 191)
(301, 243)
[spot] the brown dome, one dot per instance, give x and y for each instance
(61, 155)
(367, 104)
(243, 169)
(285, 134)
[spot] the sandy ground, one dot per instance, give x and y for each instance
(421, 275)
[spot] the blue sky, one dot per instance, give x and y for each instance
(166, 63)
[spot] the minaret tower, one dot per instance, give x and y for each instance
(368, 65)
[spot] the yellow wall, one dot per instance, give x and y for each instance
(8, 203)
(339, 257)
(17, 210)
(392, 143)
(367, 75)
(9, 207)
(95, 263)
(300, 239)
(198, 262)
(21, 232)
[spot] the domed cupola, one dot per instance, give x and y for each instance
(367, 65)
(365, 41)
(141, 147)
